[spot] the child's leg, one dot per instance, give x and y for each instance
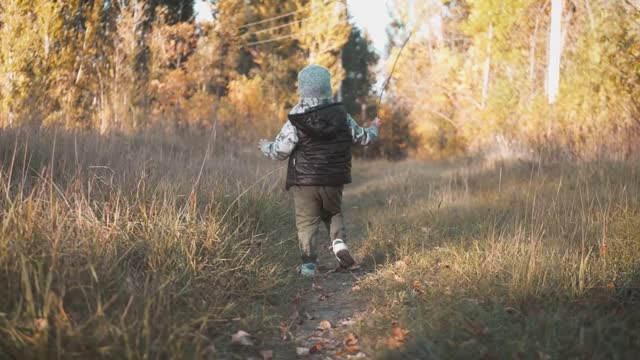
(332, 211)
(334, 225)
(308, 214)
(332, 206)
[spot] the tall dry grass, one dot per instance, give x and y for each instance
(502, 260)
(138, 246)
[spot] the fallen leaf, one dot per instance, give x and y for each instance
(355, 288)
(316, 348)
(399, 279)
(393, 343)
(284, 331)
(324, 325)
(302, 351)
(610, 285)
(347, 322)
(352, 349)
(267, 354)
(350, 340)
(417, 287)
(242, 338)
(316, 287)
(603, 249)
(323, 297)
(41, 324)
(397, 337)
(399, 333)
(359, 355)
(399, 264)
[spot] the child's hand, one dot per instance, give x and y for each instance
(262, 144)
(376, 122)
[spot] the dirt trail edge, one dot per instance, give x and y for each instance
(322, 325)
(327, 310)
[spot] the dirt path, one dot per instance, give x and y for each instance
(323, 323)
(328, 308)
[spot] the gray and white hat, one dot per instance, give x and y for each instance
(314, 81)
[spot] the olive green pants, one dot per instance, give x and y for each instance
(315, 204)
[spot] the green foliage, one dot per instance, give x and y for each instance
(358, 59)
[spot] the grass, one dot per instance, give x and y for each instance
(152, 247)
(503, 260)
(139, 247)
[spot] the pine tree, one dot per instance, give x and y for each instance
(178, 10)
(358, 60)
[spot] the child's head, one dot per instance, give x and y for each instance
(314, 82)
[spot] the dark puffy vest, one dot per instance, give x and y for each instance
(322, 156)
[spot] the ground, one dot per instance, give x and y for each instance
(153, 247)
(328, 306)
(482, 259)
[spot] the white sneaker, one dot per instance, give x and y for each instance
(342, 253)
(308, 270)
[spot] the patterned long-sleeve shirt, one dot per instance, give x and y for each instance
(287, 139)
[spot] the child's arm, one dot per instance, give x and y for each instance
(283, 146)
(363, 136)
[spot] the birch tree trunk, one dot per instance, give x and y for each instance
(487, 69)
(555, 48)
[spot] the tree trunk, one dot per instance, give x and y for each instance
(487, 69)
(555, 49)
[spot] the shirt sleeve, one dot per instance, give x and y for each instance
(284, 144)
(359, 135)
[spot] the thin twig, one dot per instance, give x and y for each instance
(386, 82)
(632, 5)
(247, 189)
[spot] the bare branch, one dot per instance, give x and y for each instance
(444, 117)
(632, 5)
(386, 83)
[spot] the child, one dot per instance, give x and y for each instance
(317, 140)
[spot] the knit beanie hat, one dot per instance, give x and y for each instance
(314, 82)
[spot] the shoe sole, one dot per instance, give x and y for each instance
(345, 258)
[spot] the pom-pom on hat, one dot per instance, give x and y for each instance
(314, 82)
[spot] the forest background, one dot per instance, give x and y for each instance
(138, 220)
(474, 75)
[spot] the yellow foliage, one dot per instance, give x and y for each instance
(248, 110)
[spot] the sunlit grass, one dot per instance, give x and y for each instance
(138, 247)
(504, 260)
(161, 247)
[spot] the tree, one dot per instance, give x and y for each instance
(322, 35)
(358, 59)
(178, 10)
(555, 49)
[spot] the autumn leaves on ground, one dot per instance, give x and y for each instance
(152, 247)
